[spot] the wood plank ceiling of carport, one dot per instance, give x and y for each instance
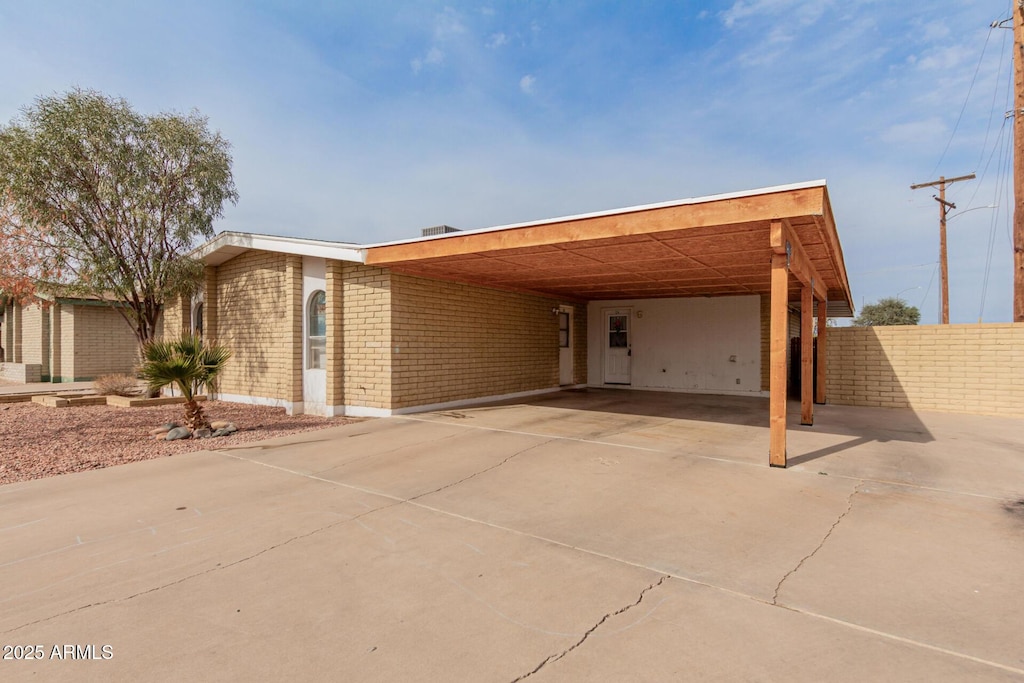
(711, 246)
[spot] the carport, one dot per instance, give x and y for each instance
(779, 242)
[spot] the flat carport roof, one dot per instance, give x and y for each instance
(708, 246)
(779, 241)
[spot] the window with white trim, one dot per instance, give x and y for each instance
(197, 318)
(316, 331)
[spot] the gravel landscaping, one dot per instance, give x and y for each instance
(37, 441)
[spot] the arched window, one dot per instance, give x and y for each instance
(316, 331)
(197, 318)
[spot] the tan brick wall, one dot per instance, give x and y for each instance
(22, 373)
(957, 368)
(579, 336)
(102, 343)
(16, 343)
(211, 297)
(366, 311)
(293, 338)
(35, 337)
(246, 307)
(176, 317)
(7, 341)
(454, 341)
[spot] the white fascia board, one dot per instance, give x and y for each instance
(236, 242)
(611, 212)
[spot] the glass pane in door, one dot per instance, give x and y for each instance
(617, 331)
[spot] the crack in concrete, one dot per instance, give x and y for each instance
(205, 571)
(849, 506)
(356, 519)
(381, 453)
(477, 474)
(554, 658)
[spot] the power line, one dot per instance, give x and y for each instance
(963, 108)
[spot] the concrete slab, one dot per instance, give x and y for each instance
(17, 388)
(556, 539)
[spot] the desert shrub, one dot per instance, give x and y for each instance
(117, 385)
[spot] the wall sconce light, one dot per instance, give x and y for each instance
(556, 310)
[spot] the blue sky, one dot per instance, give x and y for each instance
(368, 121)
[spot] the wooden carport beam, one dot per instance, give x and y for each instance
(806, 356)
(822, 340)
(784, 241)
(788, 256)
(777, 361)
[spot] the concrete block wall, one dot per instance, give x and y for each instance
(16, 340)
(35, 337)
(7, 341)
(22, 373)
(454, 341)
(366, 300)
(102, 343)
(293, 337)
(177, 316)
(579, 340)
(247, 302)
(956, 368)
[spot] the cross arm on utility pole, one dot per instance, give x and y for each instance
(944, 208)
(943, 181)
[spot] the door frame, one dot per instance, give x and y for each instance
(606, 313)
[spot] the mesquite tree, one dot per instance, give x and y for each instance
(890, 311)
(100, 201)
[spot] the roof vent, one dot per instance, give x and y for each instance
(439, 230)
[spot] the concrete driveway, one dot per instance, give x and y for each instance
(598, 535)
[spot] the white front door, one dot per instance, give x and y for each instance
(565, 346)
(617, 350)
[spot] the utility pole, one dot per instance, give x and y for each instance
(1018, 161)
(944, 208)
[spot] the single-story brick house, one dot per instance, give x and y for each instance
(693, 295)
(64, 339)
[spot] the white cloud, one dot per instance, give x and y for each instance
(804, 13)
(448, 23)
(526, 84)
(497, 40)
(946, 58)
(433, 57)
(931, 131)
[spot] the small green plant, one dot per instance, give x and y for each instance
(188, 363)
(116, 385)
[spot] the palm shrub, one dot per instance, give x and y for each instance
(189, 363)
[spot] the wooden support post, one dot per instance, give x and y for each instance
(820, 356)
(777, 361)
(806, 356)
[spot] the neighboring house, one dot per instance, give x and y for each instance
(59, 339)
(675, 296)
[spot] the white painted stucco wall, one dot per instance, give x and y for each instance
(699, 344)
(314, 382)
